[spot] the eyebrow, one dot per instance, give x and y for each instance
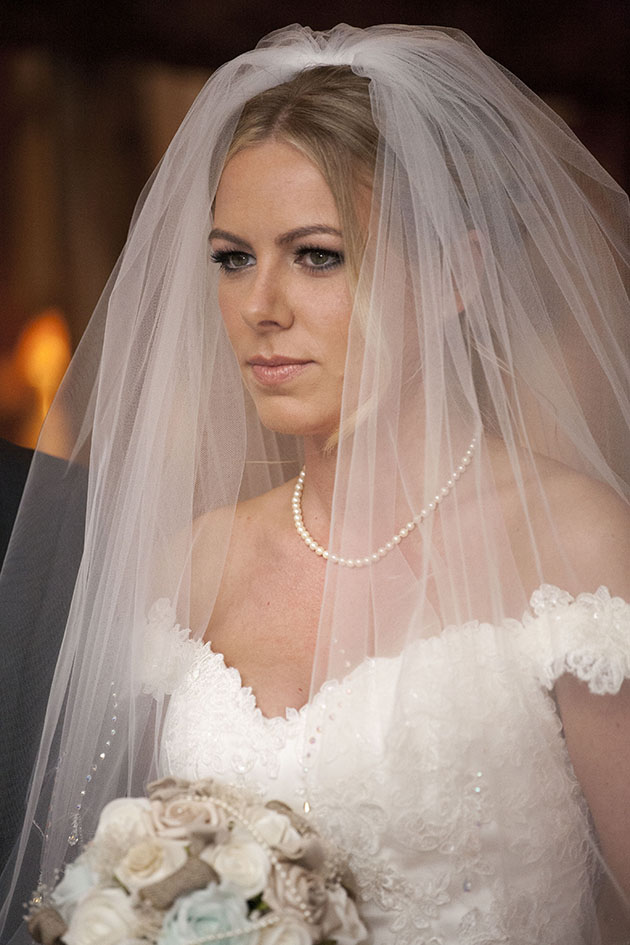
(301, 231)
(298, 233)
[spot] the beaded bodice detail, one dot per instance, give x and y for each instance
(479, 833)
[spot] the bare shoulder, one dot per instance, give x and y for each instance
(581, 526)
(581, 537)
(594, 528)
(593, 524)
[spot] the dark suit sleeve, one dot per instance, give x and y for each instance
(36, 587)
(14, 466)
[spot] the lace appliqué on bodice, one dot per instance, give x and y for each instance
(214, 727)
(455, 801)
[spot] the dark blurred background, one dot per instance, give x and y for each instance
(91, 93)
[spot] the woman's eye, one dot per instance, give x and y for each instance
(313, 258)
(231, 260)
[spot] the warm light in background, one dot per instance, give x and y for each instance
(43, 354)
(30, 376)
(77, 156)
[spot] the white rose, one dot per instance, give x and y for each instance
(127, 819)
(122, 823)
(241, 863)
(286, 932)
(150, 861)
(276, 829)
(104, 917)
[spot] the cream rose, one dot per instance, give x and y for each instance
(178, 818)
(104, 917)
(150, 861)
(240, 863)
(341, 921)
(292, 887)
(122, 823)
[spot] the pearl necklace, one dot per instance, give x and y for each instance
(307, 538)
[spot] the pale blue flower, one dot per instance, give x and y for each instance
(206, 912)
(78, 879)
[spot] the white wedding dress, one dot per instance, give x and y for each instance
(431, 863)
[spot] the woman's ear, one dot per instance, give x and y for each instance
(467, 286)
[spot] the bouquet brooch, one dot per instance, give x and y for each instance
(193, 864)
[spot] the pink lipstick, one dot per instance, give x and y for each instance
(277, 369)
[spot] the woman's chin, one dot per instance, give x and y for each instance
(297, 423)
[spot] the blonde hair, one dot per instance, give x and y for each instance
(325, 113)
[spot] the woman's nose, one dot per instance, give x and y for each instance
(266, 305)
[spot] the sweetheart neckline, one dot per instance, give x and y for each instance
(545, 598)
(291, 713)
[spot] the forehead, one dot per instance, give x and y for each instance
(273, 184)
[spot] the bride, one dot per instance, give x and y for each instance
(354, 409)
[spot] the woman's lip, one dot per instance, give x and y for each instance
(272, 374)
(276, 359)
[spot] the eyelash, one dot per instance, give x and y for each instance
(223, 256)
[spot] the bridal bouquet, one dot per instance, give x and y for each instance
(195, 863)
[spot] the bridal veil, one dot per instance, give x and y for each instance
(491, 307)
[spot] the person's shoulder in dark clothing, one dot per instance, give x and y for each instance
(36, 586)
(15, 462)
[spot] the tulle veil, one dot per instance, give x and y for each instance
(492, 304)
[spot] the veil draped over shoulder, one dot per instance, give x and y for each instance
(491, 309)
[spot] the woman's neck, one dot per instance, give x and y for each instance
(321, 466)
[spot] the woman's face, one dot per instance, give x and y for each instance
(283, 291)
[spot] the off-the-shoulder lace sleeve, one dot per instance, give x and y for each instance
(168, 651)
(587, 636)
